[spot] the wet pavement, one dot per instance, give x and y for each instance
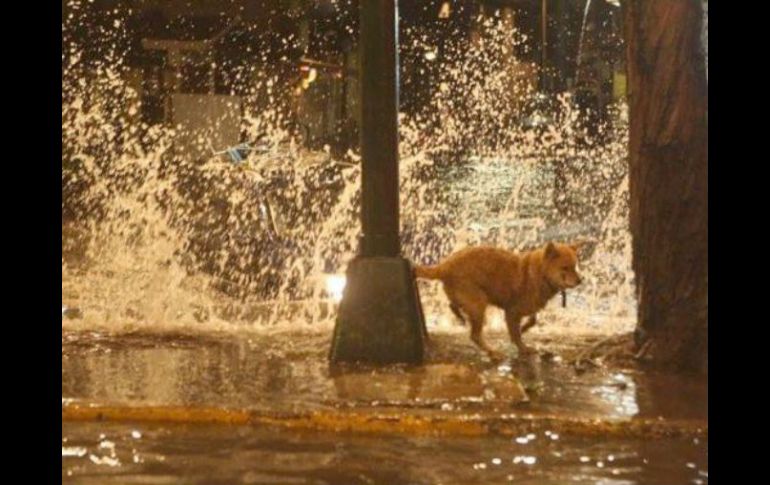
(126, 453)
(288, 370)
(457, 419)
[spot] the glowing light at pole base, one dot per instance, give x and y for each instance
(335, 285)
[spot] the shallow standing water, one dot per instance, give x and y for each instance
(279, 372)
(202, 454)
(289, 371)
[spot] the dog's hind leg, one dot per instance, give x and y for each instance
(456, 310)
(473, 302)
(454, 305)
(477, 325)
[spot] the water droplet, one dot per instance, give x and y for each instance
(104, 460)
(107, 445)
(527, 460)
(73, 451)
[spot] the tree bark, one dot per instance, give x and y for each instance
(668, 103)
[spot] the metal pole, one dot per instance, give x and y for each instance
(380, 318)
(379, 130)
(544, 43)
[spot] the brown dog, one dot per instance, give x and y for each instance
(520, 284)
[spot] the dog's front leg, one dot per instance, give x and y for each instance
(513, 322)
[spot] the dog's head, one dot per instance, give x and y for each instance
(559, 264)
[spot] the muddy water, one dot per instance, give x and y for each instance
(98, 453)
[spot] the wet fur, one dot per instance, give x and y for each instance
(519, 283)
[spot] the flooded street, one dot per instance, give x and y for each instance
(95, 453)
(289, 371)
(456, 419)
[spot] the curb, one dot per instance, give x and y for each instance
(399, 423)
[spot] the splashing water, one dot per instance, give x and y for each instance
(154, 238)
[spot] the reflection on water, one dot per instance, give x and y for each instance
(285, 371)
(289, 370)
(621, 393)
(229, 454)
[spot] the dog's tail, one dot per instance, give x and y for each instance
(429, 272)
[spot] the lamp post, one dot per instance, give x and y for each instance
(380, 318)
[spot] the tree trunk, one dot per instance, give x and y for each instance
(668, 96)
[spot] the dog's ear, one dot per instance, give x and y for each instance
(550, 251)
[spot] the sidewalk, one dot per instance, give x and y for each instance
(283, 379)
